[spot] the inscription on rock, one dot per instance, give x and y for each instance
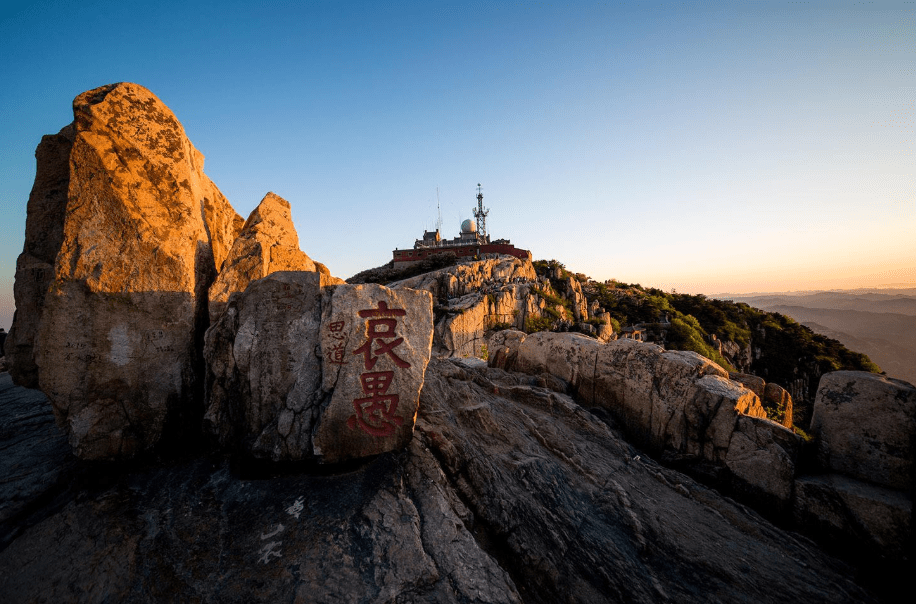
(376, 413)
(375, 346)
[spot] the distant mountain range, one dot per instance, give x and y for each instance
(879, 323)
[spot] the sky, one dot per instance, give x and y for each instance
(701, 147)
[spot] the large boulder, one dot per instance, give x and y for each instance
(865, 426)
(461, 331)
(675, 403)
(300, 367)
(267, 243)
(762, 457)
(375, 345)
(114, 301)
(564, 356)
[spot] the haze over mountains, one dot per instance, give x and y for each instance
(878, 322)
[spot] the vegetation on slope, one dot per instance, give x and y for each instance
(776, 347)
(388, 273)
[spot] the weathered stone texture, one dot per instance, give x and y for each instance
(778, 399)
(470, 277)
(263, 373)
(267, 243)
(671, 402)
(865, 425)
(755, 384)
(851, 512)
(45, 215)
(136, 238)
(35, 454)
(473, 298)
(507, 492)
(293, 373)
(375, 378)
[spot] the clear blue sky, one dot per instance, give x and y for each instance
(700, 146)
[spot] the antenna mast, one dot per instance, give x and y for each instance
(439, 210)
(480, 214)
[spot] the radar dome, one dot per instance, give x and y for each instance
(468, 226)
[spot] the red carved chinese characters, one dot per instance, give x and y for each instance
(376, 413)
(379, 335)
(336, 352)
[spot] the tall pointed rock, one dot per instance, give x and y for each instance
(267, 244)
(113, 304)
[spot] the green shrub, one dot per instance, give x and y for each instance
(534, 324)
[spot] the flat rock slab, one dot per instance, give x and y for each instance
(876, 520)
(34, 453)
(506, 493)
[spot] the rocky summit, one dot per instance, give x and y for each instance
(198, 411)
(111, 304)
(267, 243)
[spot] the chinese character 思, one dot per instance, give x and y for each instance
(336, 352)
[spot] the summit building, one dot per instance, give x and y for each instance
(471, 243)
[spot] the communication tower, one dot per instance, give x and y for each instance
(480, 214)
(438, 211)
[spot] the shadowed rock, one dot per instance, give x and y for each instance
(44, 224)
(298, 367)
(507, 493)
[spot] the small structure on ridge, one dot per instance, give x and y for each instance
(470, 243)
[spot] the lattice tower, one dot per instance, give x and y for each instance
(480, 214)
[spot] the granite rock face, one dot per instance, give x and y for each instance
(674, 403)
(777, 398)
(267, 243)
(875, 521)
(35, 454)
(44, 234)
(507, 492)
(135, 240)
(301, 367)
(865, 425)
(755, 384)
(475, 297)
(470, 277)
(865, 430)
(375, 345)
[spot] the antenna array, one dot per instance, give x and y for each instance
(480, 214)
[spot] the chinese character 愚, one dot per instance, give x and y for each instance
(375, 414)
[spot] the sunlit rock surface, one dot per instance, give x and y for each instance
(136, 232)
(267, 243)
